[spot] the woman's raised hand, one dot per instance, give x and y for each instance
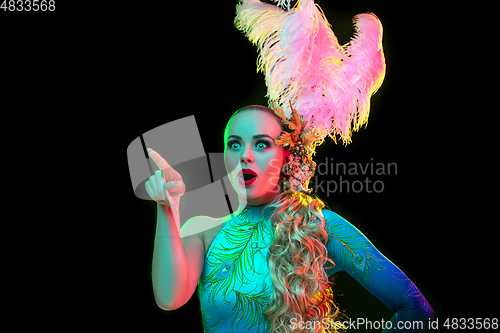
(166, 185)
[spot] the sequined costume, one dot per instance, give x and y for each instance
(235, 285)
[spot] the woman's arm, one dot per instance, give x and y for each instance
(177, 264)
(354, 253)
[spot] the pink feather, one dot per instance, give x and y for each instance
(366, 63)
(328, 84)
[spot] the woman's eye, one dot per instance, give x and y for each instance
(233, 145)
(262, 145)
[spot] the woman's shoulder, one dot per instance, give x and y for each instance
(201, 224)
(331, 216)
(334, 220)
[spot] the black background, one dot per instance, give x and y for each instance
(99, 77)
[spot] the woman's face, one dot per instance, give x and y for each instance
(253, 161)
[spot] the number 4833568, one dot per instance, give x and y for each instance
(28, 5)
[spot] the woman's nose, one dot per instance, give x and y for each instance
(246, 156)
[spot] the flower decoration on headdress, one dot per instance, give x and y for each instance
(295, 125)
(315, 85)
(301, 145)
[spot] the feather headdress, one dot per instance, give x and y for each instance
(308, 73)
(328, 84)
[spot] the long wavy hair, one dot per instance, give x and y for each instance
(297, 260)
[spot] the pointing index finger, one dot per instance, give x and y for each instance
(160, 162)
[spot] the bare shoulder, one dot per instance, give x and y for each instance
(196, 225)
(203, 227)
(199, 225)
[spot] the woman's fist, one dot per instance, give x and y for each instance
(166, 185)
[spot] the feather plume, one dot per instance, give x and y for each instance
(366, 63)
(328, 84)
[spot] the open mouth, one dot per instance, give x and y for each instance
(247, 176)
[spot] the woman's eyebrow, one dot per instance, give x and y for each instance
(262, 136)
(258, 136)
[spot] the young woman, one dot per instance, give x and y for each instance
(266, 267)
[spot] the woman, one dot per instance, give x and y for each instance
(267, 265)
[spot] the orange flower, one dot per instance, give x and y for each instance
(285, 139)
(295, 125)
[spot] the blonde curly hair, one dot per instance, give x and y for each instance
(297, 260)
